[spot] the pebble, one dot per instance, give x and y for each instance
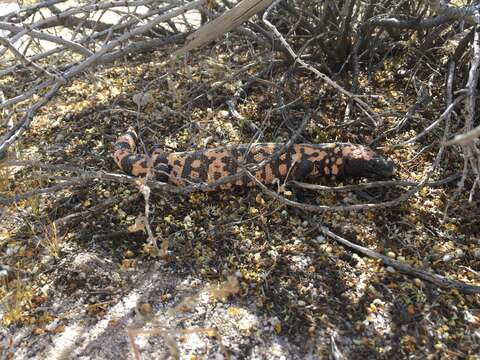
(459, 253)
(418, 282)
(53, 325)
(46, 259)
(12, 250)
(187, 221)
(3, 273)
(390, 269)
(320, 238)
(447, 257)
(45, 288)
(299, 241)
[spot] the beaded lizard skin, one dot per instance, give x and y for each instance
(303, 162)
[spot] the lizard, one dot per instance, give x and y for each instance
(302, 162)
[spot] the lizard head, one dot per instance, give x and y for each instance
(360, 161)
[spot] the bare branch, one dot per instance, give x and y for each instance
(371, 185)
(92, 60)
(6, 201)
(15, 133)
(436, 279)
(226, 22)
(364, 106)
(465, 139)
(26, 61)
(43, 36)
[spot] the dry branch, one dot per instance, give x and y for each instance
(6, 201)
(370, 185)
(75, 46)
(226, 22)
(86, 214)
(436, 279)
(467, 138)
(19, 128)
(99, 56)
(364, 106)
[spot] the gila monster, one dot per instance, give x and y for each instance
(308, 162)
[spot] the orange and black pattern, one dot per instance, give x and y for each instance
(304, 162)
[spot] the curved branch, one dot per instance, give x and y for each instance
(436, 279)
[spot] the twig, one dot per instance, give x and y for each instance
(140, 47)
(19, 128)
(423, 99)
(436, 279)
(137, 31)
(43, 36)
(466, 138)
(27, 94)
(145, 190)
(83, 215)
(29, 9)
(73, 11)
(371, 184)
(91, 175)
(470, 149)
(28, 62)
(226, 22)
(100, 34)
(445, 115)
(243, 120)
(363, 105)
(341, 208)
(48, 190)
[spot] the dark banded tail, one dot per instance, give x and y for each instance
(139, 165)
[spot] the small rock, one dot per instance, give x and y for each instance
(52, 326)
(142, 99)
(447, 257)
(476, 253)
(418, 282)
(298, 241)
(391, 270)
(3, 272)
(121, 214)
(46, 259)
(45, 288)
(459, 253)
(187, 221)
(11, 251)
